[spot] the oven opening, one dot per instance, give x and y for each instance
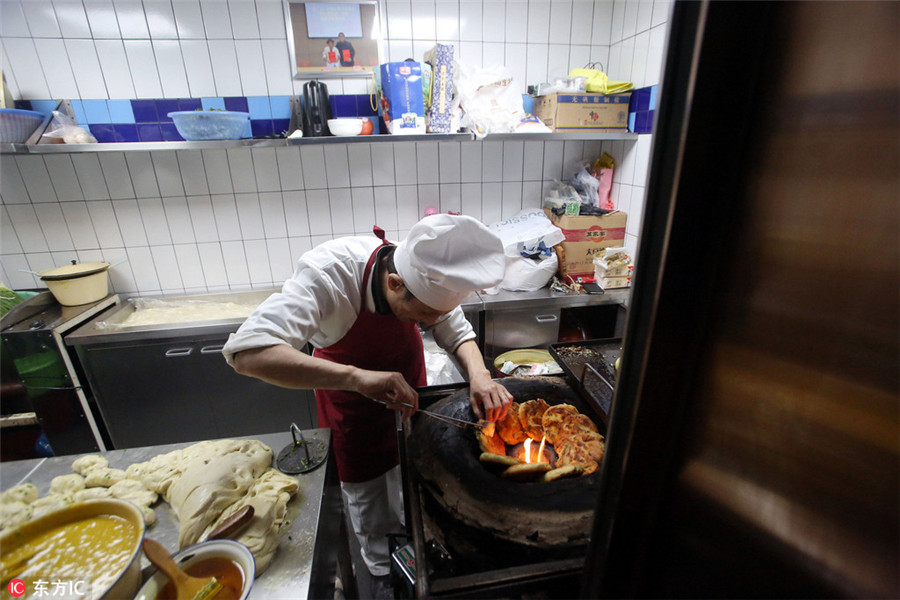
(538, 442)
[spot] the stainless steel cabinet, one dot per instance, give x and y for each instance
(165, 384)
(519, 328)
(162, 392)
(514, 320)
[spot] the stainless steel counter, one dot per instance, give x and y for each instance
(108, 328)
(545, 297)
(306, 560)
(112, 331)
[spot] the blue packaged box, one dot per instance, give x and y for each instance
(402, 102)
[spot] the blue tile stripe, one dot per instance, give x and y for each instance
(642, 109)
(146, 120)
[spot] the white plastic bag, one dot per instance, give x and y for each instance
(587, 185)
(64, 127)
(489, 98)
(528, 239)
(523, 234)
(529, 274)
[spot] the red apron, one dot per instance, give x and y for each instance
(364, 432)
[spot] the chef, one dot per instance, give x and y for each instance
(359, 301)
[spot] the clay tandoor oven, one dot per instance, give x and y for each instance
(487, 522)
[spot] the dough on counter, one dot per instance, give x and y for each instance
(269, 496)
(24, 492)
(204, 479)
(136, 471)
(149, 515)
(89, 462)
(66, 484)
(13, 513)
(103, 477)
(133, 491)
(91, 494)
(48, 504)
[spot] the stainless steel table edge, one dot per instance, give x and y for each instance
(547, 298)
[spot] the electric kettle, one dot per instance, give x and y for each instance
(316, 109)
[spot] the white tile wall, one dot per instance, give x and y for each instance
(211, 220)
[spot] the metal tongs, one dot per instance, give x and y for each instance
(461, 423)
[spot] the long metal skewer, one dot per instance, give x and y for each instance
(461, 423)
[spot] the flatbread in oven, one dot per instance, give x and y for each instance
(491, 444)
(510, 427)
(526, 471)
(498, 460)
(531, 414)
(553, 419)
(561, 472)
(583, 450)
(574, 425)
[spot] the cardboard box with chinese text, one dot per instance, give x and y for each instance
(585, 237)
(585, 111)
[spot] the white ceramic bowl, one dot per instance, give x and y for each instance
(235, 551)
(346, 126)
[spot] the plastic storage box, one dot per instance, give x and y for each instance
(198, 125)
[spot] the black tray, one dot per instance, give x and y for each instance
(590, 366)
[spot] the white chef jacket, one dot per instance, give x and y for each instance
(321, 301)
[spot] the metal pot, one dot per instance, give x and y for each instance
(76, 284)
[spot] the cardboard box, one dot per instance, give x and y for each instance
(585, 237)
(611, 283)
(580, 112)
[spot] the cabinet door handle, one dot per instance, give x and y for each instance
(176, 352)
(212, 349)
(545, 318)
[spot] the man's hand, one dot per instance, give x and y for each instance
(489, 399)
(388, 387)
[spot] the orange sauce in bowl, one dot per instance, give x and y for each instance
(225, 570)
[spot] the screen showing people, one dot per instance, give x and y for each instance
(338, 37)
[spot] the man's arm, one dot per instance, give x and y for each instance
(489, 399)
(288, 367)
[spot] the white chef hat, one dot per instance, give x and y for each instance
(446, 257)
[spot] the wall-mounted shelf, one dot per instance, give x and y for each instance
(7, 148)
(562, 136)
